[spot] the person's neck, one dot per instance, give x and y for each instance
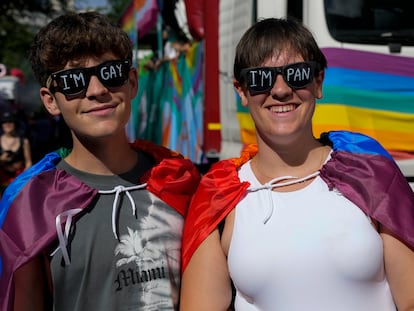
(9, 134)
(103, 158)
(299, 159)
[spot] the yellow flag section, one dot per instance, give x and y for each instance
(394, 130)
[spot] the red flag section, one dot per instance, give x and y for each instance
(195, 18)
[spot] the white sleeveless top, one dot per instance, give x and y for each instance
(315, 251)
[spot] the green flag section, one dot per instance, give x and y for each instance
(168, 109)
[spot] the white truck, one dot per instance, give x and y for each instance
(369, 85)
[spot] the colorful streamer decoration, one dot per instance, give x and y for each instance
(168, 107)
(169, 104)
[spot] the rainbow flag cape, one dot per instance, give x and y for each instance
(359, 168)
(30, 205)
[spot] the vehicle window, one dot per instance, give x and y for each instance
(371, 21)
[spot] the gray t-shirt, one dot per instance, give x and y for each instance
(138, 271)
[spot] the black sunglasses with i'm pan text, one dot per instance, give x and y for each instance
(261, 80)
(74, 82)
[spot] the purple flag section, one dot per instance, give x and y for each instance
(377, 186)
(29, 231)
(370, 61)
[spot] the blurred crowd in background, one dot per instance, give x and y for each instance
(25, 139)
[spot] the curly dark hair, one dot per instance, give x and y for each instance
(74, 36)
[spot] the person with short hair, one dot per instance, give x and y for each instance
(97, 226)
(297, 222)
(15, 151)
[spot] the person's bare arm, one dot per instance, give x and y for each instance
(206, 282)
(399, 267)
(30, 284)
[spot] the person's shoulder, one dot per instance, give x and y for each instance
(161, 153)
(165, 160)
(47, 165)
(353, 142)
(235, 163)
(157, 151)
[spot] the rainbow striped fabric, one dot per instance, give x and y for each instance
(168, 109)
(139, 17)
(365, 92)
(370, 93)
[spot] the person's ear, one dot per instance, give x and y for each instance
(241, 91)
(49, 101)
(318, 84)
(133, 82)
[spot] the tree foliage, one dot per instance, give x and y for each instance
(19, 22)
(17, 28)
(21, 19)
(15, 39)
(118, 7)
(21, 6)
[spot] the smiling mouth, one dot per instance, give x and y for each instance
(101, 108)
(281, 109)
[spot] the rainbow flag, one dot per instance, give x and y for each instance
(365, 92)
(128, 22)
(169, 109)
(139, 17)
(370, 93)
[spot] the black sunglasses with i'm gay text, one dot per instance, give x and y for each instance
(74, 82)
(297, 75)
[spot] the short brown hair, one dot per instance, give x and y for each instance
(272, 35)
(74, 36)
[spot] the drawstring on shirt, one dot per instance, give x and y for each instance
(117, 190)
(274, 183)
(64, 236)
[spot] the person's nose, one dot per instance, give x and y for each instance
(95, 87)
(280, 88)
